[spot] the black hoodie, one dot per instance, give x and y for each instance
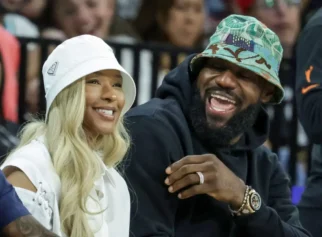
(161, 135)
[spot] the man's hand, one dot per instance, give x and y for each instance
(26, 226)
(219, 181)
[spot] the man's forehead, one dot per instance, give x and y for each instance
(230, 65)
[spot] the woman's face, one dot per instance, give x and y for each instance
(34, 8)
(77, 17)
(12, 5)
(185, 22)
(104, 102)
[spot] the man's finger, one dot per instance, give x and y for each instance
(184, 171)
(188, 160)
(188, 180)
(193, 191)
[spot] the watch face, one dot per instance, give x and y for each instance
(255, 201)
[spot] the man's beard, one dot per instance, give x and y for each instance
(220, 136)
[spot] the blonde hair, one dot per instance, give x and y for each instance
(74, 160)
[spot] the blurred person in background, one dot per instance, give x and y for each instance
(76, 17)
(9, 60)
(26, 24)
(34, 10)
(216, 11)
(177, 22)
(309, 105)
(281, 16)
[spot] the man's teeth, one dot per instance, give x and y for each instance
(105, 111)
(223, 98)
(218, 109)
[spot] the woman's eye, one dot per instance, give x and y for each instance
(93, 81)
(117, 85)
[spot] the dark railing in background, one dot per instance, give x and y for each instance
(140, 60)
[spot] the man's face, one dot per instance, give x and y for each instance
(226, 100)
(12, 5)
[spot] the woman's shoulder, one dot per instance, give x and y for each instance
(34, 160)
(35, 151)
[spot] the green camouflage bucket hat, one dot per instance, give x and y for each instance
(248, 43)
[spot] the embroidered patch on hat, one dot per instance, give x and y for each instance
(52, 70)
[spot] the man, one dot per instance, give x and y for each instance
(309, 105)
(197, 165)
(15, 220)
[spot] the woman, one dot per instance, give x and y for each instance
(64, 168)
(177, 22)
(69, 18)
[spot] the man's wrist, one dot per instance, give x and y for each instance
(237, 208)
(251, 203)
(238, 200)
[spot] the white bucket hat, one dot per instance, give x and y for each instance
(78, 57)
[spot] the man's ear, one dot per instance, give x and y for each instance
(267, 92)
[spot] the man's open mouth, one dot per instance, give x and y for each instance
(221, 103)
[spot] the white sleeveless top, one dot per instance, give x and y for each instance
(110, 193)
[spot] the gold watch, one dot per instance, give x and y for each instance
(252, 203)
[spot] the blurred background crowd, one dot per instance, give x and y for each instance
(150, 37)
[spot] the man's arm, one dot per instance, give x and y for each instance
(26, 226)
(309, 82)
(11, 208)
(15, 220)
(153, 207)
(279, 217)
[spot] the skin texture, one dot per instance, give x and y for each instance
(26, 226)
(226, 79)
(103, 90)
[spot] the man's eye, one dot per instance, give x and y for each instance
(215, 66)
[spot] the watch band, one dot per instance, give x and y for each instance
(252, 203)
